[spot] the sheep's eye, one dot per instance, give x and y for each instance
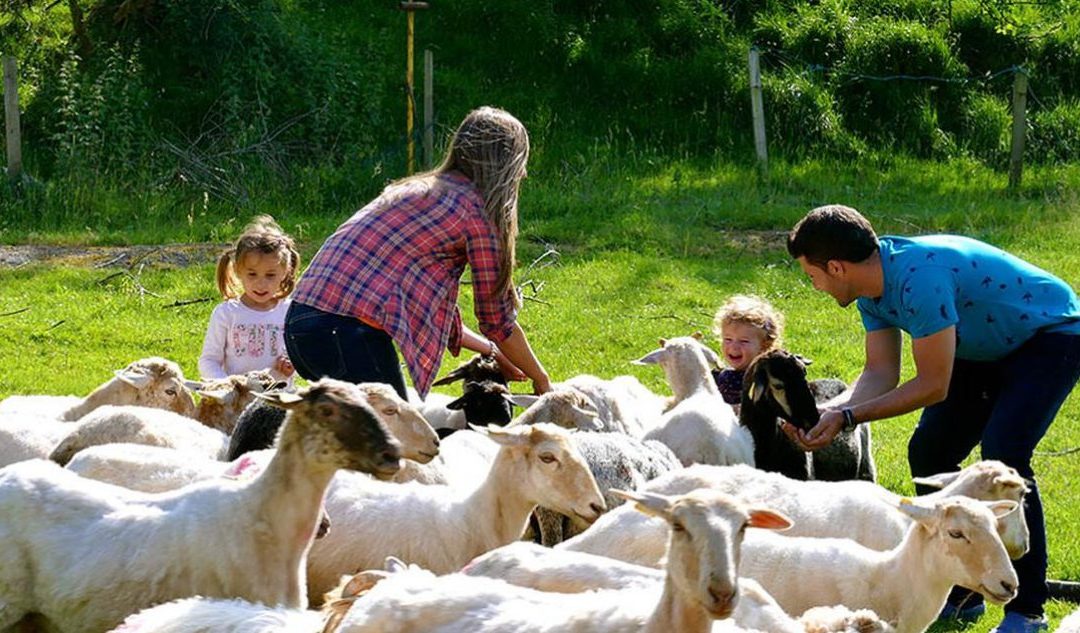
(956, 534)
(678, 527)
(390, 411)
(170, 392)
(547, 458)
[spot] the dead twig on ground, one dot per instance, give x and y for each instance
(186, 302)
(1067, 451)
(14, 312)
(673, 317)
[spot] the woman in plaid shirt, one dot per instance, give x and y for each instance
(390, 273)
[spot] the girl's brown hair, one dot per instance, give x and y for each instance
(262, 235)
(753, 311)
(491, 148)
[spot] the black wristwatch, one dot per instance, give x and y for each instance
(849, 419)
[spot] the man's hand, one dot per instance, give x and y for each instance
(820, 436)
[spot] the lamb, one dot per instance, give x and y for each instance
(617, 461)
(586, 402)
(485, 398)
(63, 534)
(858, 510)
(545, 569)
(259, 423)
(700, 427)
(443, 527)
(111, 424)
(701, 584)
(221, 401)
(775, 388)
(151, 382)
(953, 541)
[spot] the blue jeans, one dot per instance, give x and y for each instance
(324, 344)
(1007, 406)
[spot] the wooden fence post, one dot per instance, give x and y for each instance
(758, 110)
(429, 108)
(1019, 127)
(11, 118)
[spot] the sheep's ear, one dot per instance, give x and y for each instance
(1002, 507)
(806, 362)
(220, 396)
(456, 405)
(937, 481)
(517, 436)
(647, 502)
(698, 336)
(759, 386)
(135, 379)
(452, 377)
(584, 411)
(194, 385)
(917, 512)
(522, 400)
(652, 358)
(769, 519)
(1010, 481)
(281, 399)
(394, 565)
(710, 356)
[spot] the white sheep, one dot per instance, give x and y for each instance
(701, 585)
(84, 554)
(222, 400)
(859, 510)
(953, 541)
(546, 569)
(24, 436)
(150, 382)
(444, 527)
(1071, 623)
(206, 615)
(464, 459)
(700, 427)
(111, 424)
(586, 402)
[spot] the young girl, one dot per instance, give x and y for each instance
(255, 277)
(748, 326)
(387, 279)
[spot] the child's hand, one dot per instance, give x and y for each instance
(284, 366)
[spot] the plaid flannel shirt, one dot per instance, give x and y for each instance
(396, 264)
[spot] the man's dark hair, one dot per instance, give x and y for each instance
(832, 232)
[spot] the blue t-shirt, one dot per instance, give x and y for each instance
(997, 301)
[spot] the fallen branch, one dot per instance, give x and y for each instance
(674, 317)
(14, 312)
(112, 261)
(56, 325)
(187, 302)
(1067, 451)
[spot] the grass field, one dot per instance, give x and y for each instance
(646, 248)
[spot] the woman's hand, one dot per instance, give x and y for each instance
(541, 386)
(509, 370)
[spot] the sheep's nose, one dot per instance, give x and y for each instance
(1008, 587)
(721, 594)
(597, 508)
(436, 441)
(390, 456)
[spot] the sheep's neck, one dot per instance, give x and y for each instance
(501, 498)
(109, 392)
(288, 496)
(687, 379)
(893, 594)
(677, 613)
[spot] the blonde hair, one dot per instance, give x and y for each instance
(754, 311)
(491, 147)
(262, 235)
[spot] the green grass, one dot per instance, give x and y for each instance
(649, 248)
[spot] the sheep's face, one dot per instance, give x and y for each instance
(337, 428)
(556, 475)
(155, 382)
(419, 442)
(991, 480)
(776, 381)
(970, 552)
(707, 529)
(478, 369)
(222, 401)
(485, 403)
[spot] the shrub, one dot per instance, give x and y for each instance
(802, 119)
(1054, 134)
(986, 127)
(981, 43)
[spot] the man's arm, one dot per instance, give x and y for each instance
(933, 355)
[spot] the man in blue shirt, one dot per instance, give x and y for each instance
(996, 345)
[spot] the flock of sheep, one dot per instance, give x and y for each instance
(136, 510)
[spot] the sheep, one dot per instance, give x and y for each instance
(858, 510)
(700, 427)
(464, 458)
(700, 585)
(953, 541)
(152, 382)
(552, 570)
(775, 388)
(485, 398)
(1070, 623)
(443, 527)
(621, 404)
(204, 615)
(617, 461)
(84, 554)
(24, 436)
(222, 400)
(111, 424)
(259, 423)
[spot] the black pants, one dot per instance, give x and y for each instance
(321, 344)
(1006, 406)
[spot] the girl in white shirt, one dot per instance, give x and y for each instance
(255, 278)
